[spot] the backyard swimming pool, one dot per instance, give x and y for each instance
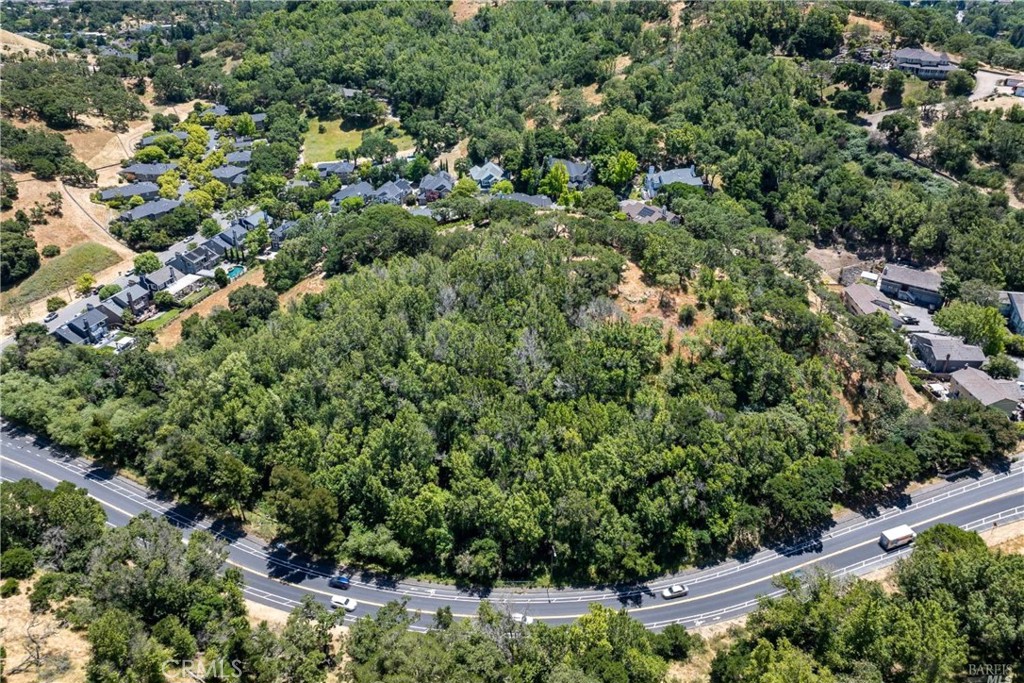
(235, 271)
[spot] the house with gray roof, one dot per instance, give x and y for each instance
(150, 210)
(861, 299)
(434, 186)
(536, 200)
(487, 175)
(150, 139)
(145, 190)
(240, 158)
(253, 220)
(160, 279)
(922, 63)
(581, 173)
(343, 168)
(278, 234)
(146, 172)
(89, 327)
(361, 189)
(260, 119)
(191, 262)
(974, 385)
(216, 110)
(944, 355)
(1016, 311)
(914, 286)
(392, 192)
(642, 213)
(229, 175)
(655, 180)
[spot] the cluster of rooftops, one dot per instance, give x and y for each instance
(942, 356)
(182, 274)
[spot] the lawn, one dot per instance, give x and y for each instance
(321, 146)
(159, 321)
(914, 89)
(55, 274)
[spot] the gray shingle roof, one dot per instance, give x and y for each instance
(157, 207)
(130, 190)
(984, 389)
(911, 277)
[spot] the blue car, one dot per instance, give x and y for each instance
(341, 582)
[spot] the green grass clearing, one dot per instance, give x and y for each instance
(159, 321)
(322, 146)
(55, 274)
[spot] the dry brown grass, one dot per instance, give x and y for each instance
(913, 398)
(17, 621)
(313, 284)
(875, 26)
(717, 637)
(14, 43)
(466, 9)
(171, 335)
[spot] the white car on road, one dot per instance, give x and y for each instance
(347, 604)
(521, 618)
(676, 590)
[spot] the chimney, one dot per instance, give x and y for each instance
(650, 170)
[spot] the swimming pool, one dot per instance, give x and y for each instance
(235, 271)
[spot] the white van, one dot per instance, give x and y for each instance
(897, 537)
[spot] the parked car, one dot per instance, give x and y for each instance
(676, 590)
(50, 316)
(521, 618)
(341, 582)
(345, 603)
(909, 320)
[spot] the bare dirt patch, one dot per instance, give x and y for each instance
(14, 43)
(258, 612)
(638, 300)
(833, 260)
(1007, 538)
(875, 26)
(313, 284)
(999, 102)
(591, 95)
(171, 335)
(463, 10)
(914, 399)
(718, 637)
(622, 63)
(61, 645)
(459, 151)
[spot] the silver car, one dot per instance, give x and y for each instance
(676, 590)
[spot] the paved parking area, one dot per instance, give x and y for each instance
(924, 324)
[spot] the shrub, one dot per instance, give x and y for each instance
(55, 303)
(687, 315)
(51, 250)
(17, 563)
(9, 588)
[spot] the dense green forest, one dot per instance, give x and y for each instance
(471, 402)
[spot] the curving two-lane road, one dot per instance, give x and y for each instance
(277, 578)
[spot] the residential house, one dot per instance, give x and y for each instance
(861, 299)
(253, 220)
(160, 279)
(344, 169)
(655, 180)
(150, 210)
(911, 285)
(146, 172)
(392, 192)
(434, 186)
(974, 385)
(229, 175)
(922, 63)
(240, 158)
(536, 200)
(217, 245)
(361, 189)
(89, 327)
(134, 299)
(216, 110)
(581, 173)
(145, 190)
(191, 262)
(150, 139)
(278, 234)
(185, 286)
(260, 120)
(487, 175)
(642, 213)
(1016, 313)
(944, 355)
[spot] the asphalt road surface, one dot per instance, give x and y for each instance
(276, 577)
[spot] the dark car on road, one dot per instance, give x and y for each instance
(341, 582)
